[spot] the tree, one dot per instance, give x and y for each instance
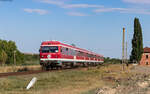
(3, 57)
(137, 42)
(9, 47)
(10, 51)
(19, 57)
(109, 60)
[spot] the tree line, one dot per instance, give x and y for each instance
(109, 60)
(9, 54)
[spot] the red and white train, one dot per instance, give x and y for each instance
(57, 54)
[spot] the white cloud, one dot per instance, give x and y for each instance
(123, 10)
(99, 8)
(109, 10)
(81, 6)
(76, 14)
(39, 11)
(62, 4)
(53, 2)
(136, 11)
(138, 1)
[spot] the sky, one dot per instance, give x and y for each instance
(95, 25)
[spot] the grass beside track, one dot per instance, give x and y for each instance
(60, 82)
(82, 81)
(5, 69)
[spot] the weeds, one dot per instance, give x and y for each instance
(4, 69)
(89, 81)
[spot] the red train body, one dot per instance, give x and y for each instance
(57, 54)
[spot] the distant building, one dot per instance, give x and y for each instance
(145, 60)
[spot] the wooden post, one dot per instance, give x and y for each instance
(14, 61)
(126, 53)
(123, 56)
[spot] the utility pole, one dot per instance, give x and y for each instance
(14, 60)
(126, 53)
(123, 56)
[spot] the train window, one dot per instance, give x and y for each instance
(66, 49)
(69, 51)
(79, 53)
(74, 52)
(86, 54)
(82, 53)
(62, 50)
(89, 55)
(49, 49)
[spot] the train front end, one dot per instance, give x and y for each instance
(50, 54)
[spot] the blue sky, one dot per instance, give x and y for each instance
(91, 24)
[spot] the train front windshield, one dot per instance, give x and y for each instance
(49, 49)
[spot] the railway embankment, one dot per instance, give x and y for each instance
(108, 79)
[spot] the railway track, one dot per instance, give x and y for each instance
(2, 75)
(21, 73)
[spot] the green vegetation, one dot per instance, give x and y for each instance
(8, 49)
(3, 57)
(9, 55)
(108, 60)
(31, 59)
(137, 42)
(68, 82)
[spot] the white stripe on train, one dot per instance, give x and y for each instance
(69, 60)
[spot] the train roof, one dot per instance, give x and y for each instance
(59, 43)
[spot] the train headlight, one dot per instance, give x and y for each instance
(49, 56)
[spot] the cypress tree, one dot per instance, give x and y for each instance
(137, 42)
